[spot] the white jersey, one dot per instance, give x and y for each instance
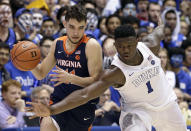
(146, 84)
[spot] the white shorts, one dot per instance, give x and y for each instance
(169, 118)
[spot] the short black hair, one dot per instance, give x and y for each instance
(111, 16)
(131, 20)
(61, 11)
(124, 31)
(44, 39)
(176, 51)
(77, 12)
(3, 45)
(186, 43)
(170, 11)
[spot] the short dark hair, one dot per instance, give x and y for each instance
(44, 39)
(124, 31)
(131, 20)
(3, 45)
(186, 43)
(111, 16)
(176, 51)
(76, 12)
(170, 11)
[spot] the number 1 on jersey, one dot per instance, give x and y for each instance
(150, 89)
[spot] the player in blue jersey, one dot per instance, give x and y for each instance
(81, 59)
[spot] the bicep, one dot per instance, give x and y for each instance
(94, 57)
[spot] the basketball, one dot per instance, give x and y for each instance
(25, 55)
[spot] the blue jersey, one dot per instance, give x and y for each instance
(74, 62)
(11, 39)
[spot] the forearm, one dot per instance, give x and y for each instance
(82, 81)
(79, 97)
(37, 72)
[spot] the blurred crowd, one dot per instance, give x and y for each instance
(42, 21)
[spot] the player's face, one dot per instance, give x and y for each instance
(75, 30)
(126, 48)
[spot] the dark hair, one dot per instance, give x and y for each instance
(170, 11)
(61, 11)
(76, 12)
(84, 2)
(186, 43)
(124, 31)
(176, 51)
(131, 20)
(44, 39)
(111, 16)
(3, 45)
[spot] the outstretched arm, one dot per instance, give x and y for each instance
(79, 97)
(153, 40)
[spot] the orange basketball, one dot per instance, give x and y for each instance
(25, 55)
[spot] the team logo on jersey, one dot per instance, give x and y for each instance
(150, 59)
(152, 62)
(77, 57)
(78, 52)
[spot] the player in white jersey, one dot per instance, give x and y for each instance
(146, 98)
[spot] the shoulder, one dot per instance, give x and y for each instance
(93, 43)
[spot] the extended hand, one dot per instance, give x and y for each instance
(61, 76)
(39, 109)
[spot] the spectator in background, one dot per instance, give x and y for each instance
(45, 45)
(167, 42)
(107, 112)
(183, 79)
(169, 3)
(184, 8)
(48, 27)
(171, 17)
(154, 10)
(184, 29)
(102, 27)
(39, 94)
(64, 3)
(142, 32)
(129, 9)
(7, 34)
(12, 106)
(142, 12)
(170, 75)
(24, 27)
(112, 22)
(186, 45)
(183, 106)
(4, 57)
(92, 22)
(37, 19)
